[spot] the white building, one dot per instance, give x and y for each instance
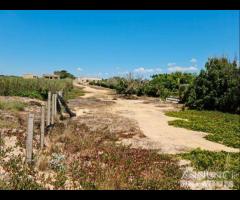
(87, 79)
(29, 76)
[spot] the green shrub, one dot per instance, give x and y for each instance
(216, 88)
(161, 85)
(223, 127)
(22, 176)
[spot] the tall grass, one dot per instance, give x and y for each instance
(34, 88)
(12, 105)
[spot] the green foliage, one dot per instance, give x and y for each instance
(64, 74)
(170, 84)
(223, 127)
(34, 88)
(22, 176)
(216, 88)
(161, 85)
(12, 105)
(60, 179)
(217, 161)
(74, 93)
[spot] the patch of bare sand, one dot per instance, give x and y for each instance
(154, 124)
(94, 91)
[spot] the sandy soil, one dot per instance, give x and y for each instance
(154, 124)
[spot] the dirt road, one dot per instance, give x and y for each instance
(154, 124)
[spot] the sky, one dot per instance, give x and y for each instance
(107, 43)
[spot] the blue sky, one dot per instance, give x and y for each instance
(108, 43)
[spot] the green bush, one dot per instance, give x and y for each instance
(161, 85)
(216, 88)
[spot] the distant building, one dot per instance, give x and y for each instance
(51, 76)
(29, 76)
(88, 79)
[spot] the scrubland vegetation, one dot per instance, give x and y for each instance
(217, 87)
(74, 93)
(86, 153)
(223, 127)
(225, 162)
(161, 85)
(12, 105)
(212, 98)
(85, 156)
(33, 88)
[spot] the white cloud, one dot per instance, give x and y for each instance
(79, 69)
(172, 67)
(143, 70)
(158, 69)
(147, 70)
(193, 60)
(182, 69)
(123, 73)
(171, 64)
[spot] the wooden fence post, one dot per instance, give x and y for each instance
(42, 126)
(1, 139)
(49, 109)
(59, 104)
(52, 113)
(29, 140)
(55, 105)
(60, 93)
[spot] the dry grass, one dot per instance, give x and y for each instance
(12, 105)
(84, 152)
(111, 124)
(95, 161)
(89, 103)
(42, 163)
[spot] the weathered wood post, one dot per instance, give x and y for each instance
(55, 105)
(64, 104)
(29, 140)
(42, 127)
(60, 93)
(1, 139)
(52, 113)
(59, 104)
(49, 109)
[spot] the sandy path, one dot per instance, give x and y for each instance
(154, 124)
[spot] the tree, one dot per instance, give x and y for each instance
(216, 88)
(174, 84)
(64, 74)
